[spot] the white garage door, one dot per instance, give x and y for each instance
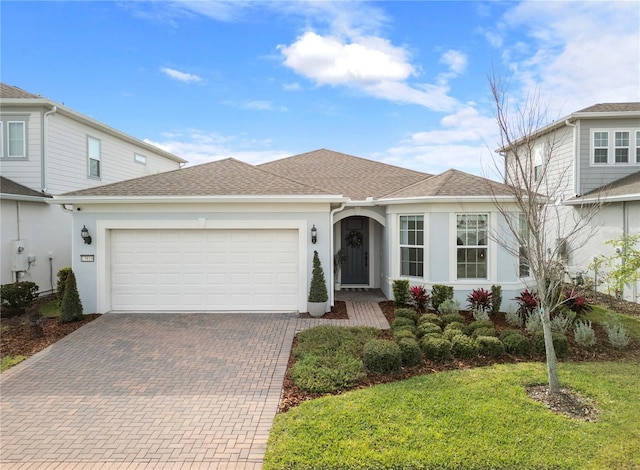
(216, 270)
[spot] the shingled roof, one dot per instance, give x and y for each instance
(227, 177)
(452, 183)
(8, 186)
(338, 173)
(8, 91)
(627, 186)
(611, 108)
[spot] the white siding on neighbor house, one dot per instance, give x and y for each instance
(593, 176)
(67, 157)
(27, 172)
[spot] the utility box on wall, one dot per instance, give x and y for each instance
(18, 255)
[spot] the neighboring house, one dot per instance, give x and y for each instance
(46, 149)
(229, 236)
(594, 159)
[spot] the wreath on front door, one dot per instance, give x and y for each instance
(354, 238)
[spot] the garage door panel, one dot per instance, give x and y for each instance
(167, 270)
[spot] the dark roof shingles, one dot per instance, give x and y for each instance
(8, 186)
(611, 108)
(8, 91)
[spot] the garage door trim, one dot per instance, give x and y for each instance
(103, 247)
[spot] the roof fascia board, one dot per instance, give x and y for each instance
(423, 199)
(595, 200)
(303, 199)
(92, 123)
(19, 197)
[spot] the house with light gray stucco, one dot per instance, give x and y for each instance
(230, 236)
(47, 148)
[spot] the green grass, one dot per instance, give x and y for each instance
(604, 316)
(10, 361)
(50, 309)
(472, 419)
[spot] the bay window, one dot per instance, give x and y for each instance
(472, 244)
(412, 245)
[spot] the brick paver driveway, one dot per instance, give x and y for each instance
(149, 391)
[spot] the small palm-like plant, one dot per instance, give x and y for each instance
(528, 301)
(479, 299)
(419, 298)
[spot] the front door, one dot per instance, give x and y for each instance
(355, 245)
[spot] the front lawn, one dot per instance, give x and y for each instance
(473, 419)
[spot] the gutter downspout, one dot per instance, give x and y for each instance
(45, 135)
(576, 160)
(332, 264)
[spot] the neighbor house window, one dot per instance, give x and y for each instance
(412, 245)
(523, 261)
(472, 242)
(139, 159)
(93, 157)
(622, 147)
(600, 147)
(16, 139)
(2, 152)
(637, 146)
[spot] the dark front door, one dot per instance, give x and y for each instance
(355, 244)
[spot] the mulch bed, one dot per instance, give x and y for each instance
(293, 395)
(338, 312)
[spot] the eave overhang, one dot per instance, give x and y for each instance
(229, 199)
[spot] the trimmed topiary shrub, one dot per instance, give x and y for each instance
(456, 325)
(427, 328)
(400, 292)
(474, 325)
(381, 356)
(401, 334)
(323, 374)
(318, 288)
(436, 349)
(430, 318)
(484, 332)
(17, 297)
(71, 306)
(407, 313)
(463, 347)
(490, 346)
(449, 307)
(451, 318)
(516, 343)
(560, 343)
(496, 299)
(402, 321)
(409, 328)
(410, 351)
(451, 333)
(440, 293)
(62, 282)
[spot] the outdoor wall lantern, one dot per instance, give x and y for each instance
(85, 235)
(314, 234)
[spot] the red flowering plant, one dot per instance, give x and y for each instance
(528, 301)
(576, 302)
(479, 299)
(419, 298)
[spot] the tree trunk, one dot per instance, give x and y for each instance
(552, 361)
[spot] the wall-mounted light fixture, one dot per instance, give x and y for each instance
(85, 235)
(314, 234)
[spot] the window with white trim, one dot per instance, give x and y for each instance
(16, 139)
(621, 147)
(637, 146)
(600, 147)
(141, 159)
(472, 243)
(1, 139)
(94, 157)
(412, 245)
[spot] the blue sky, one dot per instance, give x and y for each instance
(400, 82)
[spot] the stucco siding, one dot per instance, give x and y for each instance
(439, 246)
(27, 171)
(67, 167)
(595, 175)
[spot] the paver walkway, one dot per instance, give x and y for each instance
(154, 391)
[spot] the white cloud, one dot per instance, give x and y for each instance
(262, 106)
(294, 86)
(455, 60)
(180, 76)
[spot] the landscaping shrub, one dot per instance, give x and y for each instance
(322, 374)
(331, 340)
(62, 282)
(452, 318)
(457, 323)
(561, 322)
(576, 302)
(513, 318)
(400, 292)
(426, 328)
(484, 331)
(496, 299)
(436, 349)
(452, 333)
(419, 298)
(381, 356)
(473, 326)
(463, 347)
(407, 313)
(402, 321)
(490, 346)
(430, 318)
(410, 352)
(506, 333)
(560, 343)
(583, 334)
(480, 314)
(318, 288)
(527, 301)
(618, 336)
(440, 293)
(401, 334)
(516, 343)
(479, 299)
(450, 307)
(410, 328)
(71, 306)
(17, 297)
(532, 322)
